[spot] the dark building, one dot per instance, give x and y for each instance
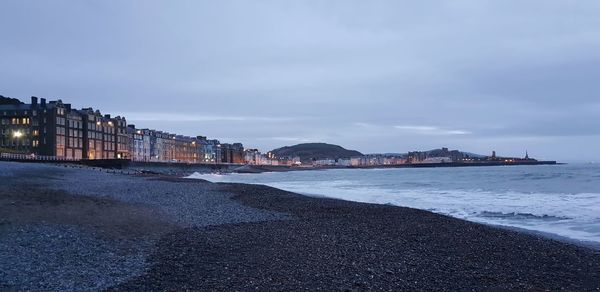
(19, 127)
(232, 153)
(419, 156)
(56, 130)
(40, 128)
(122, 145)
(93, 140)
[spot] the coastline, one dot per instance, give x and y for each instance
(239, 236)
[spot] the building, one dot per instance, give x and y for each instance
(139, 144)
(73, 138)
(121, 136)
(93, 138)
(232, 153)
(19, 127)
(252, 156)
(157, 146)
(49, 129)
(56, 130)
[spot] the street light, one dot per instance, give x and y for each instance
(17, 134)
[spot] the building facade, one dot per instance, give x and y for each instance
(55, 129)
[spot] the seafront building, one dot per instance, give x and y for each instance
(41, 128)
(53, 130)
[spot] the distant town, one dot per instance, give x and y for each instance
(54, 131)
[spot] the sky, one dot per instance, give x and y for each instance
(375, 76)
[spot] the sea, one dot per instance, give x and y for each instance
(562, 200)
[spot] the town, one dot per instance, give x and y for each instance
(55, 131)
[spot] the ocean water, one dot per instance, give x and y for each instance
(558, 199)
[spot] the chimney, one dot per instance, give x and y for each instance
(107, 116)
(43, 102)
(34, 101)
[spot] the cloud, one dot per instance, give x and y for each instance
(464, 71)
(177, 117)
(429, 130)
(289, 139)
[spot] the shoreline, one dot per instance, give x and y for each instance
(550, 236)
(547, 235)
(176, 167)
(228, 236)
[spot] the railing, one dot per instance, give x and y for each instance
(14, 156)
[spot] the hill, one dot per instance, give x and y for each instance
(312, 151)
(442, 152)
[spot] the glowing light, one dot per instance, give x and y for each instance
(17, 134)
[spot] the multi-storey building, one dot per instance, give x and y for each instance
(252, 156)
(41, 128)
(121, 138)
(55, 129)
(157, 146)
(232, 153)
(211, 150)
(73, 129)
(93, 134)
(140, 144)
(17, 127)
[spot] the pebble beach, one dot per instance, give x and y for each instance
(73, 228)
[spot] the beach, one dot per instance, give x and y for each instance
(66, 227)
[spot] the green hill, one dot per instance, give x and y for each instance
(313, 151)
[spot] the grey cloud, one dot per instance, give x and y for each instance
(474, 74)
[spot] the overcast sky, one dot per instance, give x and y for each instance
(375, 76)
